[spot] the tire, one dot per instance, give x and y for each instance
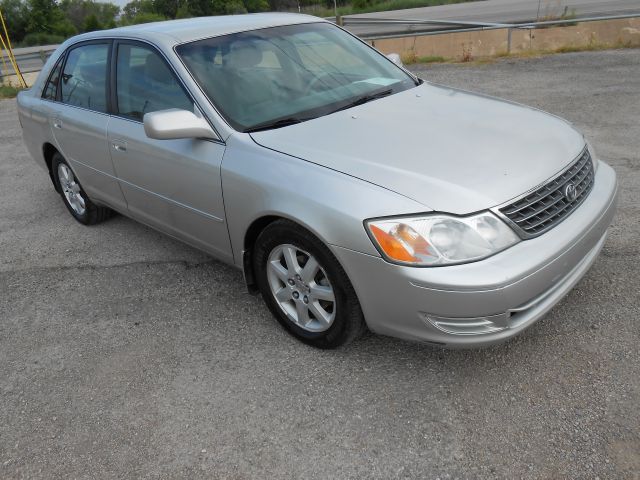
(74, 196)
(289, 291)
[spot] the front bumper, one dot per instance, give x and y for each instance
(489, 301)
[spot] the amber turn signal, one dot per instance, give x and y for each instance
(391, 246)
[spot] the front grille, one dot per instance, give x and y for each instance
(548, 205)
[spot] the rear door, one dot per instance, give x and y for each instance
(78, 118)
(173, 185)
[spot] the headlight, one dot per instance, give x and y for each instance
(440, 239)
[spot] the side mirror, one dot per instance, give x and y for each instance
(174, 123)
(395, 58)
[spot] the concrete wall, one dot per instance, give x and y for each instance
(488, 43)
(14, 81)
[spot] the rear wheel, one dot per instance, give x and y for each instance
(73, 196)
(305, 287)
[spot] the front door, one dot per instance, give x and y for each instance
(174, 185)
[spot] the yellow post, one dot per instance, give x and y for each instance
(4, 63)
(10, 51)
(13, 62)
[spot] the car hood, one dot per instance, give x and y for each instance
(452, 151)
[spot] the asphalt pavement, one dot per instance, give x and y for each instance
(126, 354)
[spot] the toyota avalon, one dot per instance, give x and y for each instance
(351, 193)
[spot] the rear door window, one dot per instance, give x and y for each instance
(84, 77)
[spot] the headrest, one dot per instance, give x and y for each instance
(156, 70)
(244, 55)
(93, 73)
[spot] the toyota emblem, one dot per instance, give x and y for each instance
(570, 192)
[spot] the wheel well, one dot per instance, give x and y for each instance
(47, 151)
(250, 238)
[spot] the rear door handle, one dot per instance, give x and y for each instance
(57, 123)
(119, 146)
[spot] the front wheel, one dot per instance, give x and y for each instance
(305, 287)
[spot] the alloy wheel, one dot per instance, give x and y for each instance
(71, 189)
(301, 288)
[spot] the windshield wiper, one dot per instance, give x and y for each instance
(364, 99)
(283, 122)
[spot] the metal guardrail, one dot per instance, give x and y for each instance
(29, 61)
(453, 26)
(32, 61)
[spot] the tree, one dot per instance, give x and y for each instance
(78, 11)
(166, 8)
(142, 17)
(183, 11)
(135, 8)
(107, 12)
(16, 17)
(200, 8)
(41, 13)
(227, 7)
(91, 24)
(75, 12)
(234, 7)
(253, 6)
(45, 16)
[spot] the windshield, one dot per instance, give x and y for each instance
(277, 76)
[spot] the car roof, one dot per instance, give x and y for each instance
(190, 29)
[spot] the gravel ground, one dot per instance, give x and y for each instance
(126, 354)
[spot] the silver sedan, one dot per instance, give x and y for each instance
(351, 193)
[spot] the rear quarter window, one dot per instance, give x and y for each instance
(51, 87)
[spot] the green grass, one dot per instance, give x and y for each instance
(411, 58)
(8, 91)
(431, 59)
(591, 47)
(376, 6)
